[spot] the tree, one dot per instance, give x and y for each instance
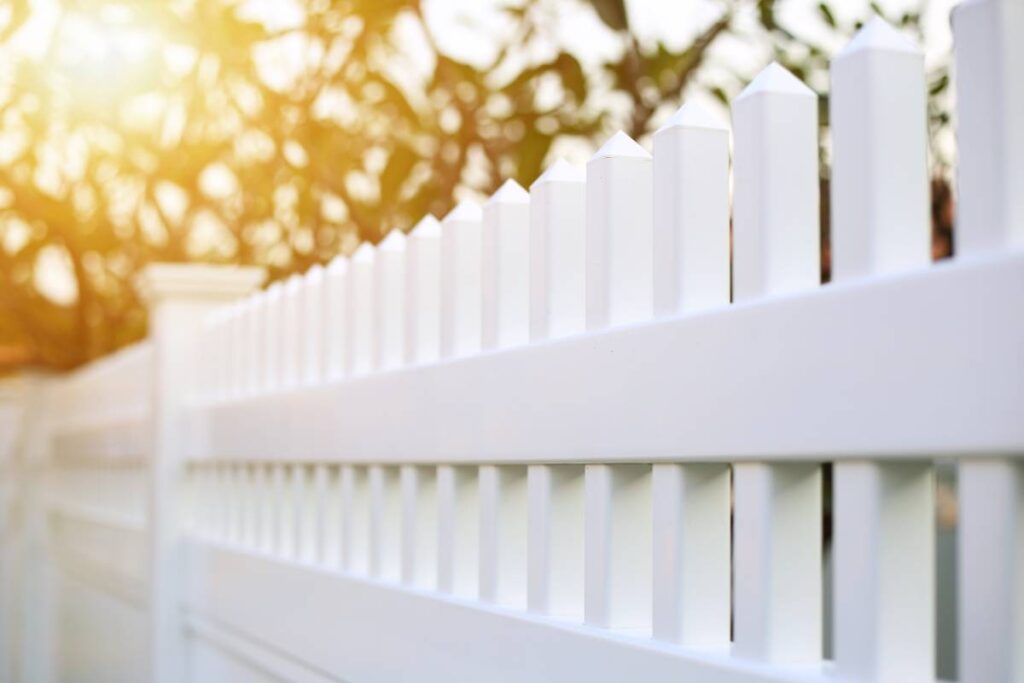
(193, 130)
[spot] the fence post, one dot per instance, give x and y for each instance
(777, 524)
(178, 297)
(990, 125)
(883, 512)
(990, 218)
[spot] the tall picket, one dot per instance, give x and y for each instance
(990, 221)
(777, 533)
(884, 555)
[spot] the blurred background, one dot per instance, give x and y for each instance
(283, 132)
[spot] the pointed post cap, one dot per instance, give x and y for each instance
(314, 272)
(338, 264)
(561, 171)
(160, 282)
(364, 254)
(427, 227)
(692, 115)
(621, 145)
(775, 80)
(878, 35)
(395, 241)
(510, 192)
(466, 210)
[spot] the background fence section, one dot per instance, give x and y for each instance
(583, 431)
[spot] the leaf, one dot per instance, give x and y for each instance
(939, 85)
(612, 13)
(399, 164)
(572, 75)
(826, 14)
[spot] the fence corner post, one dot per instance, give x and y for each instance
(177, 298)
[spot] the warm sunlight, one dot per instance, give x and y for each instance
(109, 51)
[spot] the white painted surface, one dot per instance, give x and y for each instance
(372, 472)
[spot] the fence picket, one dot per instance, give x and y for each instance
(272, 338)
(460, 280)
(620, 249)
(618, 548)
(503, 547)
(555, 543)
(312, 329)
(990, 125)
(423, 292)
(360, 317)
(691, 212)
(458, 522)
(777, 530)
(389, 301)
(505, 271)
(291, 333)
(419, 526)
(558, 252)
(884, 547)
(692, 556)
(336, 300)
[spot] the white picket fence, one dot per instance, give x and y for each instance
(574, 434)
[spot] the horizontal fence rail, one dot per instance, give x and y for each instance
(609, 426)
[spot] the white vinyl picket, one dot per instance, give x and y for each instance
(578, 432)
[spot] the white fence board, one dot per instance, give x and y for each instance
(368, 631)
(850, 370)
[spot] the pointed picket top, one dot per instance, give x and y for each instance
(314, 273)
(394, 241)
(621, 145)
(338, 264)
(692, 115)
(510, 192)
(427, 227)
(364, 254)
(879, 35)
(466, 210)
(561, 171)
(293, 282)
(776, 80)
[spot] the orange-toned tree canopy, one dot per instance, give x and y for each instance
(205, 130)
